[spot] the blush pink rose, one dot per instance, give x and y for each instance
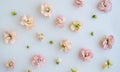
(37, 60)
(105, 5)
(107, 42)
(86, 54)
(60, 21)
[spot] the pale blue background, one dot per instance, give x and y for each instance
(105, 24)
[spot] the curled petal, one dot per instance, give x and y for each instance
(78, 3)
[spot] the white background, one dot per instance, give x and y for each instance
(105, 24)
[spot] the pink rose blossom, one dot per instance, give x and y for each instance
(60, 21)
(78, 3)
(105, 5)
(28, 22)
(66, 45)
(107, 42)
(37, 60)
(46, 9)
(10, 64)
(86, 54)
(10, 37)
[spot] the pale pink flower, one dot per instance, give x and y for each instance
(86, 54)
(46, 9)
(28, 22)
(107, 42)
(10, 37)
(37, 60)
(40, 36)
(76, 26)
(66, 45)
(78, 3)
(10, 64)
(60, 21)
(105, 5)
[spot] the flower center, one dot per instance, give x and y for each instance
(10, 36)
(86, 55)
(47, 9)
(38, 60)
(104, 4)
(77, 26)
(10, 64)
(28, 21)
(60, 21)
(107, 41)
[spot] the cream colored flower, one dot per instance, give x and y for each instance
(66, 45)
(10, 37)
(107, 64)
(10, 64)
(28, 22)
(75, 26)
(46, 9)
(40, 36)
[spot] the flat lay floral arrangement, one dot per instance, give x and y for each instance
(64, 46)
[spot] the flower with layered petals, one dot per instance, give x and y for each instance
(46, 9)
(37, 60)
(86, 54)
(75, 26)
(105, 5)
(107, 42)
(66, 45)
(60, 21)
(28, 22)
(10, 64)
(10, 37)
